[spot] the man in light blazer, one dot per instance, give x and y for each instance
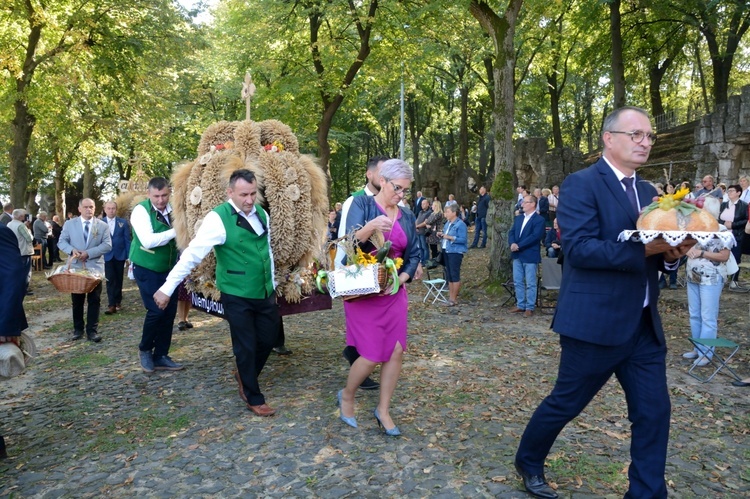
(606, 314)
(86, 239)
(114, 261)
(525, 239)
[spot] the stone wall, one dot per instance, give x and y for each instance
(722, 140)
(537, 167)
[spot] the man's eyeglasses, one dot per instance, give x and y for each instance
(638, 135)
(399, 189)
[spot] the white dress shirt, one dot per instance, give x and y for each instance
(140, 220)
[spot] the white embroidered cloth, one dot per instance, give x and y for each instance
(675, 237)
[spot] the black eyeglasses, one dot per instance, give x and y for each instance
(637, 136)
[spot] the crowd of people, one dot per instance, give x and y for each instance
(607, 319)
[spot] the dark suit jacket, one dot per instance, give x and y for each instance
(604, 281)
(120, 240)
(364, 209)
(13, 290)
(529, 241)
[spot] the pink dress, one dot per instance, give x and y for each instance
(375, 324)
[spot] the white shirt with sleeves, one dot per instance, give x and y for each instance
(140, 220)
(212, 233)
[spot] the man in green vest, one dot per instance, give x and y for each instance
(238, 232)
(153, 253)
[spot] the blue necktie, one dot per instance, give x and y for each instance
(86, 231)
(630, 192)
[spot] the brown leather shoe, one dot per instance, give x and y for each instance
(118, 307)
(263, 410)
(516, 310)
(528, 313)
(110, 310)
(241, 388)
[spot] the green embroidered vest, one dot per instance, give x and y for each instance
(159, 259)
(243, 262)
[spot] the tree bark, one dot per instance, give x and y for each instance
(618, 66)
(501, 30)
(463, 133)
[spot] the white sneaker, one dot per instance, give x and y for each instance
(733, 285)
(703, 361)
(690, 355)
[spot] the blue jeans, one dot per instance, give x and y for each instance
(524, 280)
(481, 225)
(703, 303)
(424, 249)
(157, 326)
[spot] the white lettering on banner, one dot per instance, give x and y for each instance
(207, 304)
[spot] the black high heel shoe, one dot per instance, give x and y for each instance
(393, 432)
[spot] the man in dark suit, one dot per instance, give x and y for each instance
(418, 203)
(11, 295)
(606, 314)
(114, 261)
(7, 214)
(525, 238)
(86, 239)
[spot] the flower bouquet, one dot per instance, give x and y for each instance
(365, 273)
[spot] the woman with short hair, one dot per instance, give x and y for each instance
(454, 244)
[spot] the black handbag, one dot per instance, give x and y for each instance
(428, 231)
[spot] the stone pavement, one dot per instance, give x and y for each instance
(87, 422)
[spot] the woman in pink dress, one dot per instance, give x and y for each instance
(376, 324)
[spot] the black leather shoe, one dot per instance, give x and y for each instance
(741, 383)
(77, 335)
(369, 384)
(94, 337)
(536, 485)
(282, 350)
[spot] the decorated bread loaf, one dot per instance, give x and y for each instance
(674, 212)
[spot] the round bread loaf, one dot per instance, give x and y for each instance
(672, 219)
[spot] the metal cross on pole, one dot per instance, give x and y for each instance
(248, 89)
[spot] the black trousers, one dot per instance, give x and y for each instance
(254, 327)
(157, 326)
(92, 314)
(114, 270)
(52, 251)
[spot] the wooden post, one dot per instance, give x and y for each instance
(248, 89)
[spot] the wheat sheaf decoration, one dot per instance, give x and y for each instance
(292, 188)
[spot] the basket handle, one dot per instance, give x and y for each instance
(70, 260)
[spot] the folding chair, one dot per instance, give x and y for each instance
(717, 362)
(550, 279)
(436, 289)
(510, 287)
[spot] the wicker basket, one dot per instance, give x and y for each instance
(72, 282)
(382, 280)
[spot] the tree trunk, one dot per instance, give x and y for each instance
(59, 188)
(88, 180)
(332, 102)
(618, 66)
(23, 126)
(654, 91)
(501, 30)
(554, 102)
(463, 133)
